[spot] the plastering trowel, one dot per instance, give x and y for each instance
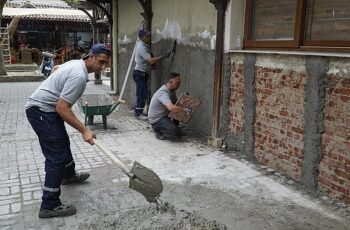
(142, 179)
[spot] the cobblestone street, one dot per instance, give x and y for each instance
(198, 179)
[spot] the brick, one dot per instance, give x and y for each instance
(284, 113)
(298, 130)
(343, 91)
(345, 98)
(347, 168)
(345, 83)
(342, 174)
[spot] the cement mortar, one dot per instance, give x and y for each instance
(249, 103)
(191, 205)
(149, 217)
(315, 96)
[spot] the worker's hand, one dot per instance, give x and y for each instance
(89, 136)
(167, 54)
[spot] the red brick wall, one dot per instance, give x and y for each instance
(279, 125)
(236, 100)
(279, 119)
(334, 176)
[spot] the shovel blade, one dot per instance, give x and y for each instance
(146, 182)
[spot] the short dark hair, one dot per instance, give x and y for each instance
(144, 33)
(172, 75)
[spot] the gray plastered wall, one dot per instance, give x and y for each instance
(192, 24)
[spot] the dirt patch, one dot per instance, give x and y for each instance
(167, 217)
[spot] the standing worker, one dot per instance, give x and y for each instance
(47, 109)
(144, 62)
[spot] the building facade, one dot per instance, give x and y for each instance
(273, 77)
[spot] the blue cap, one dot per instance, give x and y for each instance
(100, 49)
(144, 33)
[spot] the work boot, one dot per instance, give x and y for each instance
(141, 117)
(160, 136)
(76, 179)
(62, 210)
(182, 133)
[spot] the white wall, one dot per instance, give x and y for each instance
(234, 24)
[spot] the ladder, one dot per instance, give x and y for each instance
(5, 45)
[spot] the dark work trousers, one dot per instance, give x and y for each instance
(141, 79)
(55, 145)
(167, 127)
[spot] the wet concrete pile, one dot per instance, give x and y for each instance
(151, 218)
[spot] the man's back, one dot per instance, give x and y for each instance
(142, 54)
(157, 108)
(67, 82)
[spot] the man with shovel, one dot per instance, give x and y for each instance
(47, 109)
(144, 61)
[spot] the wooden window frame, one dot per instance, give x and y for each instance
(298, 43)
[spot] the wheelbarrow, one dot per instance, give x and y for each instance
(97, 104)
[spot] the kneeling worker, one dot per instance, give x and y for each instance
(162, 103)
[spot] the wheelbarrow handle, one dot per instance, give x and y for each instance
(120, 164)
(115, 105)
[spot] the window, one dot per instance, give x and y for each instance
(298, 24)
(273, 20)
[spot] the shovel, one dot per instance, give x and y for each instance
(142, 179)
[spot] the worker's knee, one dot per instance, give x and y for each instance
(172, 131)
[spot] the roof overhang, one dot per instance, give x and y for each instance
(51, 14)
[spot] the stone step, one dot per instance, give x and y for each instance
(21, 67)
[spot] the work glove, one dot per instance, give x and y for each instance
(167, 54)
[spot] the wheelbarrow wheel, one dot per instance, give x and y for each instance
(104, 119)
(90, 120)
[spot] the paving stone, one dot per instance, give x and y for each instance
(27, 196)
(4, 176)
(32, 189)
(4, 191)
(16, 207)
(15, 189)
(34, 179)
(4, 209)
(37, 195)
(25, 180)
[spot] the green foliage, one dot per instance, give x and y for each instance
(72, 1)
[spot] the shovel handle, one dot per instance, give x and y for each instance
(120, 164)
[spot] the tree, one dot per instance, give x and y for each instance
(72, 1)
(2, 65)
(11, 29)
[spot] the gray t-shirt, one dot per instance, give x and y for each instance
(142, 54)
(157, 108)
(67, 82)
